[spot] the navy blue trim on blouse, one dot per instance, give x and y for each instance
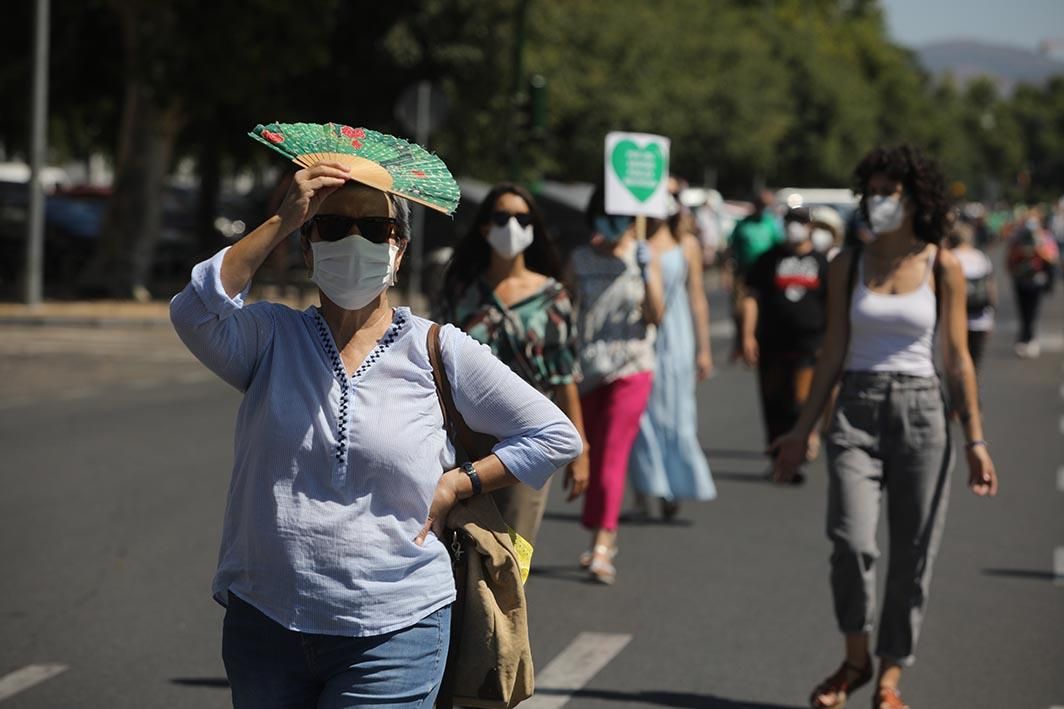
(343, 416)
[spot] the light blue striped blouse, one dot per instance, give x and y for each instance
(333, 475)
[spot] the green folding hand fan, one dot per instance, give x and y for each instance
(383, 161)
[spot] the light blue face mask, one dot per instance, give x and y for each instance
(611, 226)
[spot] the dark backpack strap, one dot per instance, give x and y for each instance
(936, 271)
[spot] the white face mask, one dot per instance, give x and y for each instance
(885, 214)
(823, 240)
(353, 271)
(511, 239)
(797, 233)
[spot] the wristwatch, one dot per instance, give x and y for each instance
(470, 470)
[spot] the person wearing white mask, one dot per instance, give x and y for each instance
(332, 568)
(827, 229)
(890, 432)
(784, 316)
(504, 287)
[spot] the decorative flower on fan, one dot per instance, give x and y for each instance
(355, 134)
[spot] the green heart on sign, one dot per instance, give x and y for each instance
(640, 170)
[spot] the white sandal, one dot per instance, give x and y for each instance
(601, 565)
(588, 556)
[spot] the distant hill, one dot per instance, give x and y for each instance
(968, 59)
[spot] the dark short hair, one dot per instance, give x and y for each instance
(596, 207)
(922, 180)
(797, 214)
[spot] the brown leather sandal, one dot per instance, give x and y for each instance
(888, 698)
(841, 685)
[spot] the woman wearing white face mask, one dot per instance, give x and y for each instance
(890, 432)
(337, 585)
(504, 287)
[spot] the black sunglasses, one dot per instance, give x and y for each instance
(500, 218)
(333, 227)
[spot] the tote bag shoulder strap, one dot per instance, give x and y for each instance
(473, 445)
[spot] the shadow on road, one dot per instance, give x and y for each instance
(562, 516)
(1021, 574)
(713, 453)
(628, 519)
(683, 700)
(210, 682)
(561, 573)
(735, 477)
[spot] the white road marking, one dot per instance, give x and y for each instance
(574, 667)
(28, 676)
(1058, 566)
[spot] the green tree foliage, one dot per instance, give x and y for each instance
(1040, 117)
(766, 91)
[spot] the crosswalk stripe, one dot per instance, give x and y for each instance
(574, 667)
(28, 676)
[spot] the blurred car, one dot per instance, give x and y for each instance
(74, 220)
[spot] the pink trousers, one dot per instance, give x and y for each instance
(611, 422)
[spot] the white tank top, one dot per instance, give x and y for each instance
(893, 333)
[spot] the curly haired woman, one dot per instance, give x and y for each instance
(890, 431)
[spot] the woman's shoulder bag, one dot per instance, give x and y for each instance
(489, 664)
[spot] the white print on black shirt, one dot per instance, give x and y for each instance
(795, 275)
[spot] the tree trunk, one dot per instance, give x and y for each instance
(121, 265)
(209, 167)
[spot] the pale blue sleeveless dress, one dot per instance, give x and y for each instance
(667, 459)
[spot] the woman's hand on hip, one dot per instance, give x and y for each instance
(790, 451)
(309, 187)
(577, 475)
(982, 478)
(443, 501)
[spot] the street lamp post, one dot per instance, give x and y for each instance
(34, 274)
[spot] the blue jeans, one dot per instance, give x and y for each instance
(271, 667)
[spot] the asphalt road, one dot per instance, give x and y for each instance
(113, 477)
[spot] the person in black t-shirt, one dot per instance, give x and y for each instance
(784, 318)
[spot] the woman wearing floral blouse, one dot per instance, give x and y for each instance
(504, 288)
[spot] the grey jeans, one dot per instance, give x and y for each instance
(889, 434)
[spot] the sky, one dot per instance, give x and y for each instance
(1019, 23)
